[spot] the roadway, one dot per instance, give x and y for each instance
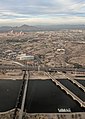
(42, 68)
(72, 79)
(24, 97)
(81, 102)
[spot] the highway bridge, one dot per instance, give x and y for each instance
(23, 90)
(72, 79)
(22, 96)
(42, 68)
(82, 103)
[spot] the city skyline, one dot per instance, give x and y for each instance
(46, 12)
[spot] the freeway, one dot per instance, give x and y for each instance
(72, 79)
(24, 97)
(42, 68)
(81, 102)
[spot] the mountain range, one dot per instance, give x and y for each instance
(27, 28)
(24, 28)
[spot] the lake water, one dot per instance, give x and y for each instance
(43, 96)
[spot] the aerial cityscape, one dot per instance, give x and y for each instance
(61, 48)
(42, 59)
(57, 54)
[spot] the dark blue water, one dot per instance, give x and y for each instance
(43, 96)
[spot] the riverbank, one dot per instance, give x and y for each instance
(9, 115)
(41, 75)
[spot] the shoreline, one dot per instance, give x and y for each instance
(4, 77)
(9, 114)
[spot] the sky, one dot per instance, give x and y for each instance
(42, 12)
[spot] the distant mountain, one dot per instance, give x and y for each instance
(27, 28)
(5, 28)
(61, 27)
(24, 28)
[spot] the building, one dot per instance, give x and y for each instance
(25, 57)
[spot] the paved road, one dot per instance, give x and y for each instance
(69, 92)
(36, 68)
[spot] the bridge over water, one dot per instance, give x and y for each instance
(23, 90)
(42, 68)
(82, 103)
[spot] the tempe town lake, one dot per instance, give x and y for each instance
(43, 96)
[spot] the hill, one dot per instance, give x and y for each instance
(27, 28)
(24, 28)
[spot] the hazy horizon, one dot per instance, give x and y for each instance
(44, 25)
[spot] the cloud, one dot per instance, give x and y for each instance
(44, 21)
(42, 11)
